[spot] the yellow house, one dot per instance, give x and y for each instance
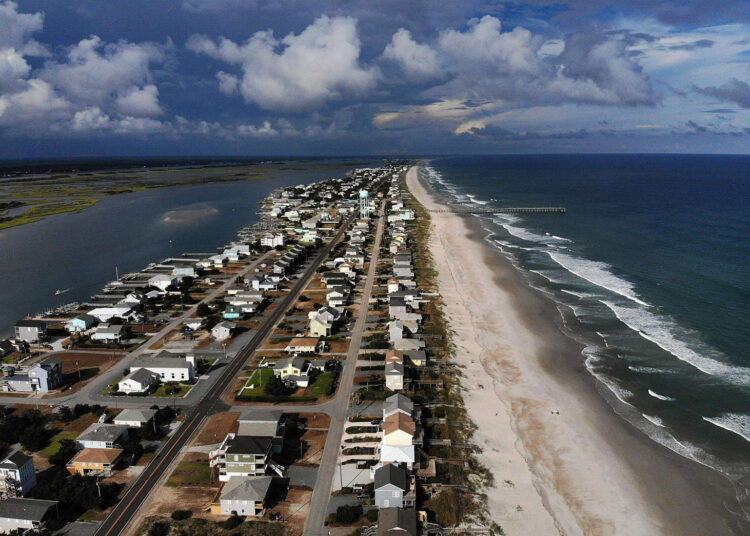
(398, 430)
(94, 461)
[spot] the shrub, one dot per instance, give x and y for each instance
(64, 454)
(348, 514)
(159, 528)
(179, 515)
(372, 515)
(232, 522)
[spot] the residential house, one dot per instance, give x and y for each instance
(137, 381)
(43, 377)
(396, 331)
(337, 296)
(231, 312)
(95, 461)
(17, 474)
(294, 370)
(272, 240)
(393, 285)
(25, 514)
(397, 522)
(223, 330)
(391, 484)
(135, 418)
(398, 429)
(394, 376)
(169, 367)
(109, 333)
(244, 496)
(408, 345)
(6, 347)
(241, 455)
(80, 323)
(397, 403)
(105, 314)
(397, 306)
(323, 320)
(102, 436)
(303, 345)
(31, 330)
(163, 281)
(193, 324)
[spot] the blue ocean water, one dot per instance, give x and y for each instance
(650, 268)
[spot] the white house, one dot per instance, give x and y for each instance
(303, 345)
(102, 436)
(394, 376)
(105, 314)
(138, 381)
(223, 330)
(134, 418)
(272, 240)
(162, 281)
(25, 514)
(107, 333)
(169, 369)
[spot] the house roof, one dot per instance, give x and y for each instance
(304, 341)
(30, 509)
(225, 324)
(28, 323)
(142, 375)
(399, 421)
(140, 415)
(261, 415)
(296, 362)
(397, 521)
(151, 362)
(249, 445)
(394, 356)
(394, 368)
(103, 456)
(253, 488)
(14, 460)
(85, 317)
(396, 403)
(103, 432)
(391, 475)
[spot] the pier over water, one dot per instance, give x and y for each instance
(507, 210)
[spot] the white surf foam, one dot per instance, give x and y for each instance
(654, 420)
(598, 273)
(733, 422)
(524, 234)
(660, 397)
(665, 334)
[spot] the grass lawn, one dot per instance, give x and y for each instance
(179, 391)
(258, 378)
(323, 385)
(54, 445)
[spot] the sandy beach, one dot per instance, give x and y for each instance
(563, 461)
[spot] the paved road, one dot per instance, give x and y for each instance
(118, 520)
(338, 408)
(90, 393)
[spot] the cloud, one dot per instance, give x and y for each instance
(263, 131)
(15, 27)
(417, 60)
(140, 102)
(734, 90)
(298, 72)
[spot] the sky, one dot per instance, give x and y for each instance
(357, 77)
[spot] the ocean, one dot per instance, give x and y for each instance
(81, 252)
(650, 271)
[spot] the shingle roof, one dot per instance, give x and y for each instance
(30, 509)
(261, 415)
(103, 456)
(393, 521)
(103, 432)
(15, 459)
(399, 421)
(391, 475)
(140, 415)
(252, 488)
(249, 445)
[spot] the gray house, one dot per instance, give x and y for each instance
(17, 474)
(244, 495)
(43, 377)
(397, 522)
(31, 330)
(391, 483)
(25, 514)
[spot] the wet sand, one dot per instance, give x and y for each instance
(563, 461)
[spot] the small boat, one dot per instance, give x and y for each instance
(58, 291)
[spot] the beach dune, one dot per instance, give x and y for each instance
(563, 461)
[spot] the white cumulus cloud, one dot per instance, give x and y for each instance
(298, 72)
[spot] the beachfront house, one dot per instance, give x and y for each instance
(163, 281)
(25, 514)
(241, 456)
(244, 496)
(398, 403)
(394, 376)
(17, 474)
(397, 522)
(391, 484)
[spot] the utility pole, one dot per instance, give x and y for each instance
(79, 370)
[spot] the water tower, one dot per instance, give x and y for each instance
(364, 205)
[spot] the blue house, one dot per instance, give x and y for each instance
(81, 322)
(232, 312)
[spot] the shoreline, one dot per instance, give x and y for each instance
(564, 462)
